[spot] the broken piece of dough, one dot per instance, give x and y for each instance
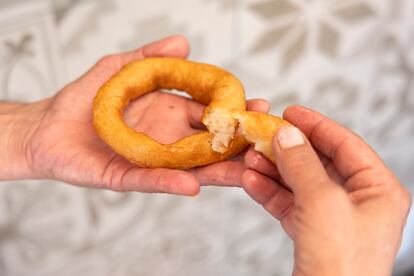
(259, 129)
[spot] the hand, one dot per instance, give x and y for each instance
(343, 209)
(63, 145)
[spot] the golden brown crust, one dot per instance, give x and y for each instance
(205, 83)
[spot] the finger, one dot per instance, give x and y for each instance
(298, 163)
(240, 156)
(225, 173)
(349, 152)
(256, 161)
(173, 46)
(158, 181)
(265, 191)
(258, 105)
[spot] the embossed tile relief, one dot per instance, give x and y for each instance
(352, 60)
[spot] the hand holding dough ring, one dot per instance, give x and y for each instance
(207, 84)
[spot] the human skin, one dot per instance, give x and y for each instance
(54, 138)
(335, 198)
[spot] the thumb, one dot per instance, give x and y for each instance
(172, 46)
(298, 163)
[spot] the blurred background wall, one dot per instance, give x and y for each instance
(352, 60)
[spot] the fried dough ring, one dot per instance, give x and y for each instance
(207, 84)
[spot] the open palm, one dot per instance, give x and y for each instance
(66, 147)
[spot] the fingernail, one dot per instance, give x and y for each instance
(265, 106)
(257, 159)
(289, 136)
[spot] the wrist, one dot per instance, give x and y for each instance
(338, 265)
(18, 123)
(327, 267)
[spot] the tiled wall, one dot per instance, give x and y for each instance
(352, 60)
